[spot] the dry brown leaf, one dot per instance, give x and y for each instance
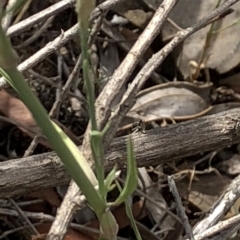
(48, 195)
(223, 53)
(71, 234)
(204, 192)
(176, 100)
(152, 190)
(14, 109)
(138, 17)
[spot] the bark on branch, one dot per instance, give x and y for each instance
(21, 176)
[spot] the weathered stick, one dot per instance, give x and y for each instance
(170, 143)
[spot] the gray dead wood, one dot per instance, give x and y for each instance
(170, 143)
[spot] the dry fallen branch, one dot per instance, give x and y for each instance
(222, 230)
(170, 143)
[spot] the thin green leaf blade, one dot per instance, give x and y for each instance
(132, 175)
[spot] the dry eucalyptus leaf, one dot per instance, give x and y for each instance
(224, 46)
(204, 192)
(71, 234)
(14, 109)
(224, 50)
(138, 17)
(153, 192)
(176, 100)
(48, 195)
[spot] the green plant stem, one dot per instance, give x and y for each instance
(129, 214)
(96, 136)
(87, 74)
(67, 156)
(226, 27)
(68, 152)
(132, 175)
(98, 153)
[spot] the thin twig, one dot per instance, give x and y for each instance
(32, 145)
(180, 208)
(66, 88)
(157, 204)
(46, 217)
(73, 75)
(36, 34)
(50, 81)
(46, 51)
(14, 230)
(54, 10)
(21, 213)
(40, 16)
(103, 7)
(124, 44)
